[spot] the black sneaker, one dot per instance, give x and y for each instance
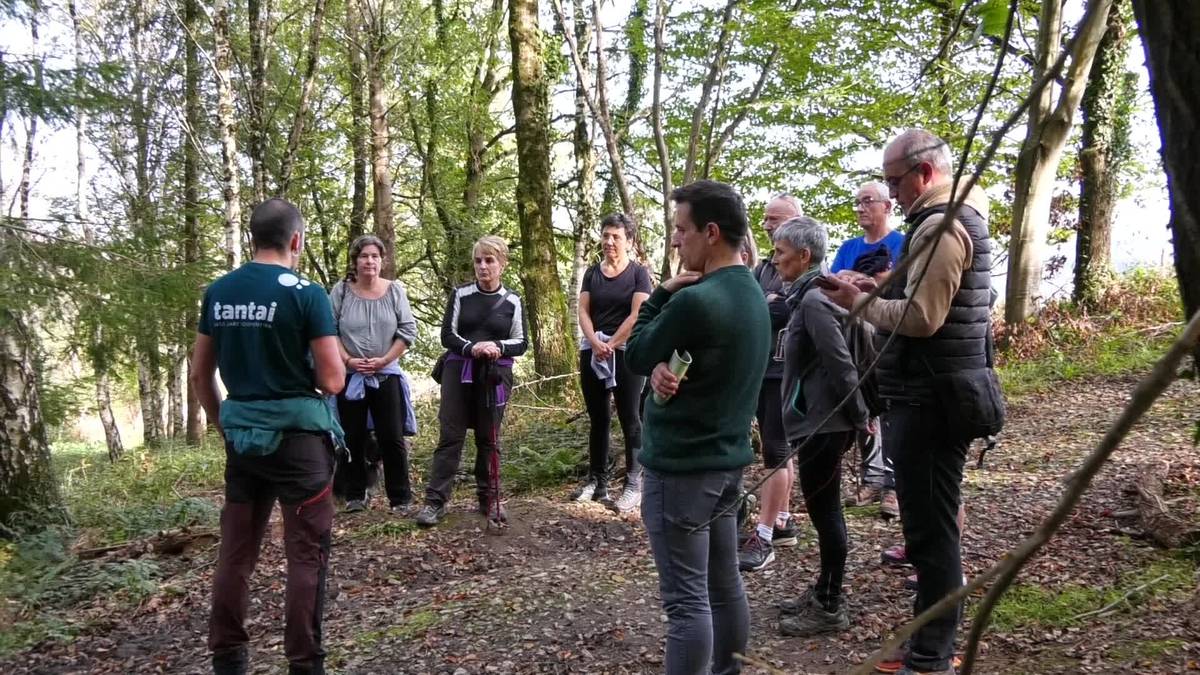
(430, 515)
(813, 619)
(755, 554)
(786, 535)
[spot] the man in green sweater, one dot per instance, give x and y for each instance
(697, 442)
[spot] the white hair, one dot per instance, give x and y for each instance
(806, 233)
(917, 145)
(879, 190)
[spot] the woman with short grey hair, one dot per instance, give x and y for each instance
(818, 373)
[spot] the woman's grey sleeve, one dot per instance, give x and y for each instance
(406, 323)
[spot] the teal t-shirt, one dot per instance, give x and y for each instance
(261, 318)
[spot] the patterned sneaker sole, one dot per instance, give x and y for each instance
(766, 561)
(785, 540)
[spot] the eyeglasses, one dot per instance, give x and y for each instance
(866, 202)
(893, 182)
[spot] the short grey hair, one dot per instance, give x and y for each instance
(919, 145)
(806, 233)
(879, 189)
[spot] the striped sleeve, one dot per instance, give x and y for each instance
(516, 343)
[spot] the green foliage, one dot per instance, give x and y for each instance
(1065, 342)
(1032, 606)
(142, 493)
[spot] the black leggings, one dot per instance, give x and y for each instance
(820, 469)
(627, 393)
(386, 405)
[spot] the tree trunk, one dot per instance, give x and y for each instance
(26, 479)
(544, 298)
(636, 52)
(31, 127)
(175, 377)
(306, 89)
(1037, 163)
(150, 386)
(258, 16)
(1105, 109)
(96, 347)
(191, 197)
(585, 170)
(381, 172)
(1170, 32)
(660, 137)
(358, 122)
(715, 66)
(230, 184)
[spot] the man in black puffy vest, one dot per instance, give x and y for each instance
(942, 321)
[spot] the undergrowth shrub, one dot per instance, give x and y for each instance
(1128, 328)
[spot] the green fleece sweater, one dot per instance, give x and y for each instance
(723, 321)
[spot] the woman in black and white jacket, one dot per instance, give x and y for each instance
(483, 330)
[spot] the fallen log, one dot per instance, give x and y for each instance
(1154, 514)
(166, 542)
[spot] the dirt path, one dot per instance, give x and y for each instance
(571, 588)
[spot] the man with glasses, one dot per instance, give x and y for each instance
(939, 310)
(872, 206)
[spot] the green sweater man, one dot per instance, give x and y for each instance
(721, 320)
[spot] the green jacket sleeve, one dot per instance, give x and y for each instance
(664, 324)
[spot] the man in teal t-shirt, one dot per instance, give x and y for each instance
(696, 444)
(270, 333)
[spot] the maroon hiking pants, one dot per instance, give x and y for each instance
(299, 475)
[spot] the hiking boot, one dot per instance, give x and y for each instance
(601, 492)
(894, 555)
(356, 505)
(584, 492)
(234, 661)
(911, 583)
(630, 499)
(402, 509)
(430, 515)
(786, 535)
(797, 604)
(889, 506)
(755, 554)
(866, 495)
(813, 619)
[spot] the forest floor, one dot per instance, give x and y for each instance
(572, 588)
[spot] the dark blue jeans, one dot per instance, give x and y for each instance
(929, 468)
(707, 613)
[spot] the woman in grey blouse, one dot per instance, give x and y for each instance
(375, 328)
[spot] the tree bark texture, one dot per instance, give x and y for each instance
(191, 199)
(1170, 31)
(258, 15)
(584, 227)
(1105, 109)
(31, 126)
(230, 183)
(660, 137)
(300, 120)
(26, 480)
(358, 123)
(1037, 164)
(381, 172)
(545, 302)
